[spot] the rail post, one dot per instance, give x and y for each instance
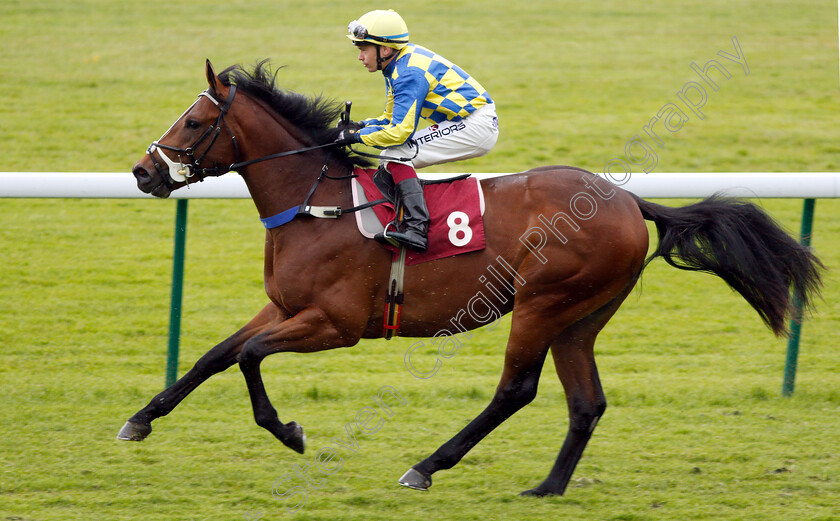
(177, 291)
(796, 320)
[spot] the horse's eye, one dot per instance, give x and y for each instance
(193, 124)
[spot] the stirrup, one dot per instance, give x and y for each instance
(384, 238)
(413, 241)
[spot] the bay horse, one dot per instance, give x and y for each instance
(571, 261)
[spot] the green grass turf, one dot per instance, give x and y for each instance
(696, 427)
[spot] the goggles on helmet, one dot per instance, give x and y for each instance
(358, 30)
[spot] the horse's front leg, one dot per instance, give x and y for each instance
(309, 331)
(214, 361)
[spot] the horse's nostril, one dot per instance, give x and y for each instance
(140, 173)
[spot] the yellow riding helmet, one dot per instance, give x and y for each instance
(380, 28)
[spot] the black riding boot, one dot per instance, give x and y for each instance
(415, 221)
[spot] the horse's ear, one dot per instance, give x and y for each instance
(212, 79)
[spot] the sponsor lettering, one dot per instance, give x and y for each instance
(438, 132)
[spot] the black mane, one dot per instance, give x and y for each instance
(315, 116)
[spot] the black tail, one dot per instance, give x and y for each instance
(741, 244)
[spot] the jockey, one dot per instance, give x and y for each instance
(419, 84)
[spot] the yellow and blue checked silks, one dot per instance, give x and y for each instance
(421, 84)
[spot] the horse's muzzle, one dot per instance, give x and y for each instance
(150, 182)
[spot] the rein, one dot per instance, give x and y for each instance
(345, 118)
(242, 164)
(236, 166)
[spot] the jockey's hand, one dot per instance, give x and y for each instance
(347, 137)
(351, 125)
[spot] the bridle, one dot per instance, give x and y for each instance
(185, 172)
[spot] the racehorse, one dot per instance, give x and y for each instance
(572, 244)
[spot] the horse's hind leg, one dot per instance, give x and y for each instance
(524, 357)
(574, 359)
(214, 361)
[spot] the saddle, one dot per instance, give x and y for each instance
(456, 207)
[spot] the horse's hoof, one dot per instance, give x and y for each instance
(415, 480)
(132, 431)
(297, 439)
